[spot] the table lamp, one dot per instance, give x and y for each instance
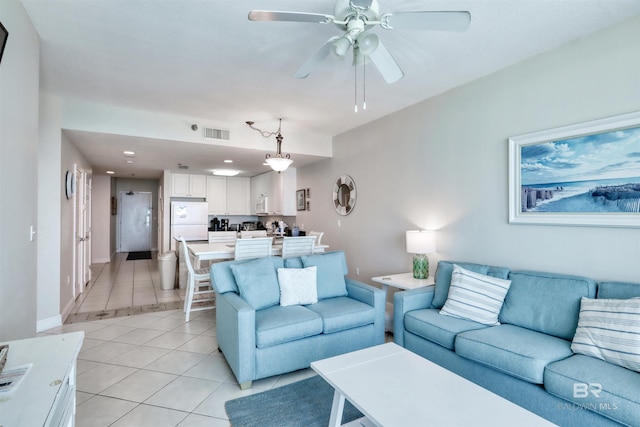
(420, 243)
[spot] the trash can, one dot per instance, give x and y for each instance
(167, 265)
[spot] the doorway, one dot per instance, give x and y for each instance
(82, 231)
(135, 221)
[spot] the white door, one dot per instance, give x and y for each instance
(135, 222)
(81, 233)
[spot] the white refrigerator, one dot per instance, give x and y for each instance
(189, 220)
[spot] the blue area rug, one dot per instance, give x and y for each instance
(304, 403)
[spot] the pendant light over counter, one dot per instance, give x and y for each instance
(278, 162)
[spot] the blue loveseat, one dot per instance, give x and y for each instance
(260, 338)
(527, 358)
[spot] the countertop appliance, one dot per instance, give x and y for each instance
(189, 220)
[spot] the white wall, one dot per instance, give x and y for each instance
(19, 85)
(443, 164)
(101, 219)
(50, 195)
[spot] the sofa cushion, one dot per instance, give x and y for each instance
(293, 262)
(609, 329)
(618, 290)
(516, 351)
(222, 275)
(276, 325)
(545, 302)
(587, 382)
(476, 297)
(445, 270)
(298, 286)
(429, 324)
(342, 313)
(331, 272)
(257, 282)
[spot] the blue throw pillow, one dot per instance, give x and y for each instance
(330, 273)
(257, 282)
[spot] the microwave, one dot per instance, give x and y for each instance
(262, 205)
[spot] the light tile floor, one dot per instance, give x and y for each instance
(154, 369)
(122, 288)
(140, 363)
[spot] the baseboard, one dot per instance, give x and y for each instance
(101, 261)
(67, 309)
(50, 323)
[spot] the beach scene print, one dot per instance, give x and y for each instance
(588, 174)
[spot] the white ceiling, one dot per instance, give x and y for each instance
(205, 59)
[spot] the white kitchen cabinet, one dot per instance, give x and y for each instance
(185, 185)
(47, 394)
(217, 195)
(238, 196)
(228, 195)
(280, 188)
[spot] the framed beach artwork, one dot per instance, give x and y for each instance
(585, 174)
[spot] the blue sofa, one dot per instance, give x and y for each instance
(260, 338)
(527, 358)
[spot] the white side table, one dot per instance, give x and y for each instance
(403, 281)
(47, 395)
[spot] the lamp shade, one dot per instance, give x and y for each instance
(279, 164)
(421, 241)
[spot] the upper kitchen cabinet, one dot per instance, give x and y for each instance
(185, 185)
(279, 189)
(228, 195)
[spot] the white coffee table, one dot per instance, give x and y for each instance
(392, 386)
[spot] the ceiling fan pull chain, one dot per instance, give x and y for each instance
(355, 88)
(364, 85)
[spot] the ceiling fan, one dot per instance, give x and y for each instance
(355, 18)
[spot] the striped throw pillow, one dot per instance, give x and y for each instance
(474, 296)
(609, 329)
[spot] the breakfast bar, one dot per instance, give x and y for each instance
(225, 251)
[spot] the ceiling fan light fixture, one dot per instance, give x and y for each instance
(341, 46)
(367, 43)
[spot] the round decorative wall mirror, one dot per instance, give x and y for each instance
(344, 195)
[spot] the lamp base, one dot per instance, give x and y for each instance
(420, 266)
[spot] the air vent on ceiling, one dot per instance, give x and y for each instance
(216, 133)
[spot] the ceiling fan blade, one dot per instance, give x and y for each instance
(317, 58)
(273, 15)
(386, 65)
(427, 20)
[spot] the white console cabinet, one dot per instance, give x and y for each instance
(47, 394)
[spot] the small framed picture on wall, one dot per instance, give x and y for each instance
(301, 200)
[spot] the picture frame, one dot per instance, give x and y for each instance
(4, 35)
(584, 174)
(301, 200)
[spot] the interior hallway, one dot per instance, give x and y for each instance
(122, 288)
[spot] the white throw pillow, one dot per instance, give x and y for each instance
(475, 296)
(298, 286)
(609, 329)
